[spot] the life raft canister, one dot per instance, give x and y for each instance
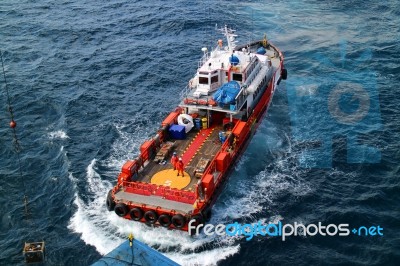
(136, 214)
(121, 209)
(151, 217)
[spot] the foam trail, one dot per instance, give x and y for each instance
(210, 257)
(59, 134)
(105, 230)
(243, 199)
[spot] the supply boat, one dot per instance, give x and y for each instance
(219, 112)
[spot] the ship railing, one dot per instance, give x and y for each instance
(253, 75)
(185, 92)
(203, 60)
(240, 98)
(168, 193)
(226, 147)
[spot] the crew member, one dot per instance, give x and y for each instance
(179, 166)
(174, 160)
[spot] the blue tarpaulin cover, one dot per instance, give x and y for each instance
(177, 132)
(226, 93)
(261, 50)
(234, 60)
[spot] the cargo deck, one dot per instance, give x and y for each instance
(205, 150)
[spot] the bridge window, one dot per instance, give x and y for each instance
(214, 79)
(203, 80)
(237, 77)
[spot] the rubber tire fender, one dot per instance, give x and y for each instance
(165, 220)
(206, 214)
(110, 202)
(121, 209)
(199, 220)
(134, 211)
(178, 220)
(284, 73)
(151, 217)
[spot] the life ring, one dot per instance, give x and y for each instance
(178, 221)
(151, 217)
(121, 209)
(165, 220)
(136, 214)
(110, 202)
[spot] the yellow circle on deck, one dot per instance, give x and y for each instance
(169, 178)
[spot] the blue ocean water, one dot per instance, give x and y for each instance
(91, 80)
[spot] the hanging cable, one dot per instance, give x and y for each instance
(35, 254)
(13, 126)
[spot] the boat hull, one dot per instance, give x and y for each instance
(171, 207)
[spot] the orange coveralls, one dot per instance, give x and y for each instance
(174, 161)
(179, 166)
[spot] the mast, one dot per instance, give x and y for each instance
(230, 38)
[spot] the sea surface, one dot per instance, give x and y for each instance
(89, 81)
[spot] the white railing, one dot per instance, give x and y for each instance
(240, 99)
(203, 60)
(184, 93)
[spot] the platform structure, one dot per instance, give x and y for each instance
(34, 252)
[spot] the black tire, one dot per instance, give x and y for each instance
(178, 221)
(165, 220)
(151, 217)
(110, 202)
(284, 74)
(121, 209)
(136, 214)
(206, 214)
(198, 220)
(228, 126)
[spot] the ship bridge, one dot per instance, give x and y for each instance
(251, 72)
(249, 66)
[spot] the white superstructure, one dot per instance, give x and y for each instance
(250, 66)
